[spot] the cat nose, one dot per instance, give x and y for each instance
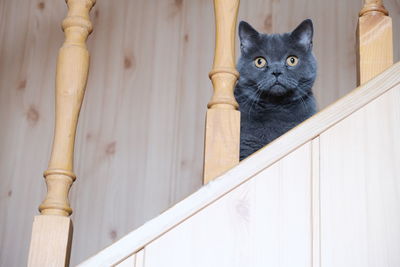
(276, 73)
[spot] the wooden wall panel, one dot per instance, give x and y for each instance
(251, 226)
(140, 136)
(28, 51)
(360, 187)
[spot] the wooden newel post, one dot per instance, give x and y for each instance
(222, 137)
(374, 39)
(52, 230)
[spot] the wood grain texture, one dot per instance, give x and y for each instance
(222, 133)
(360, 185)
(251, 226)
(374, 41)
(222, 142)
(50, 241)
(139, 146)
(51, 237)
(71, 78)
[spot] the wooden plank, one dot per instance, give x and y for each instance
(315, 203)
(360, 185)
(264, 222)
(140, 258)
(142, 107)
(27, 117)
(249, 167)
(374, 41)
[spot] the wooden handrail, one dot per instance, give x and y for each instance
(374, 41)
(222, 134)
(52, 230)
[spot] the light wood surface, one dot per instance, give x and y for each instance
(222, 133)
(71, 78)
(51, 236)
(374, 41)
(51, 241)
(140, 138)
(360, 182)
(222, 142)
(249, 168)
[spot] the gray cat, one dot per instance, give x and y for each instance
(277, 72)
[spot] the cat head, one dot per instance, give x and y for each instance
(277, 65)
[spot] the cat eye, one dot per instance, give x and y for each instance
(260, 62)
(292, 61)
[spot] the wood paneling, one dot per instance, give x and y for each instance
(140, 136)
(316, 203)
(30, 36)
(360, 187)
(250, 226)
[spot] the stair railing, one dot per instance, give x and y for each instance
(222, 133)
(52, 229)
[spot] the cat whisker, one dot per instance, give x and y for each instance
(248, 99)
(255, 101)
(301, 97)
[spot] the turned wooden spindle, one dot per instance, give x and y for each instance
(222, 136)
(52, 230)
(374, 41)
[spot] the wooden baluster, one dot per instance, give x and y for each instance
(375, 41)
(52, 230)
(222, 136)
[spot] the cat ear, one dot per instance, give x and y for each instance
(303, 34)
(247, 35)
